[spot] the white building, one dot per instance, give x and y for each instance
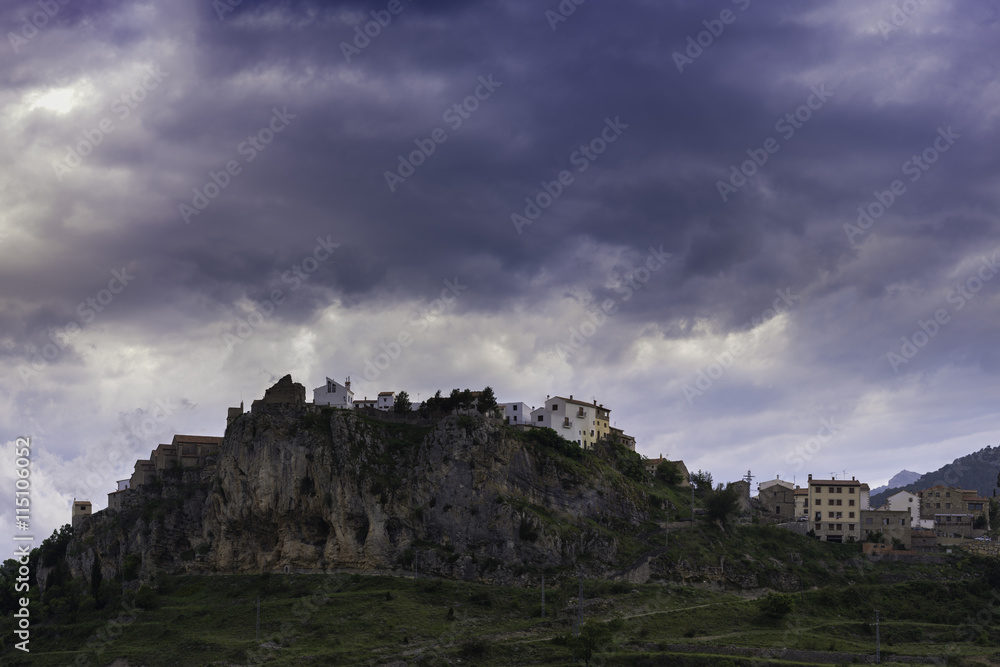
(386, 399)
(516, 413)
(904, 500)
(576, 421)
(334, 394)
(365, 403)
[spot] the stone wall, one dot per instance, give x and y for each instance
(982, 548)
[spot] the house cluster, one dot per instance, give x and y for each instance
(575, 420)
(838, 510)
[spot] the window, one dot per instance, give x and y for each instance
(850, 515)
(851, 502)
(885, 522)
(839, 501)
(947, 506)
(901, 522)
(937, 494)
(830, 501)
(831, 515)
(541, 418)
(819, 515)
(947, 494)
(840, 515)
(554, 407)
(831, 489)
(868, 521)
(850, 526)
(514, 407)
(819, 489)
(937, 505)
(840, 526)
(850, 490)
(840, 489)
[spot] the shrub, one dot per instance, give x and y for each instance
(776, 605)
(145, 598)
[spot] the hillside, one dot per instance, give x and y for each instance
(297, 489)
(976, 471)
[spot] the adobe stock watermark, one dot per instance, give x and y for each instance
(627, 288)
(363, 35)
(87, 311)
(806, 451)
(914, 168)
(33, 23)
(296, 276)
(962, 293)
(581, 159)
(900, 14)
(122, 107)
(714, 28)
(563, 11)
(454, 115)
(249, 148)
(391, 351)
(707, 376)
(786, 126)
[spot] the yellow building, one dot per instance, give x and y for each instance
(835, 509)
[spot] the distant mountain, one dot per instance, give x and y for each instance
(901, 478)
(976, 471)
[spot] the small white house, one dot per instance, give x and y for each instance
(904, 500)
(386, 400)
(516, 413)
(334, 394)
(574, 420)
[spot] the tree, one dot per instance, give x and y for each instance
(487, 402)
(423, 410)
(454, 400)
(875, 536)
(594, 635)
(776, 605)
(702, 482)
(669, 473)
(401, 404)
(465, 399)
(721, 504)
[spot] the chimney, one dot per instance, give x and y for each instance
(348, 383)
(571, 397)
(810, 477)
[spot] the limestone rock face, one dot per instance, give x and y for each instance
(296, 488)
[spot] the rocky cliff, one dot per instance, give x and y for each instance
(296, 488)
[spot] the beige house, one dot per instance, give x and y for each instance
(835, 509)
(941, 499)
(777, 497)
(801, 503)
(81, 510)
(891, 523)
(652, 464)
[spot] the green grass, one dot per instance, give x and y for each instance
(353, 619)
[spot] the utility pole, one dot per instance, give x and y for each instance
(579, 610)
(878, 641)
(258, 616)
(692, 504)
(543, 595)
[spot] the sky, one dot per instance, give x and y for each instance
(763, 234)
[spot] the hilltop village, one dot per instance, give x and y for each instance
(831, 510)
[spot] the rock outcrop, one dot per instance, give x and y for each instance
(298, 488)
